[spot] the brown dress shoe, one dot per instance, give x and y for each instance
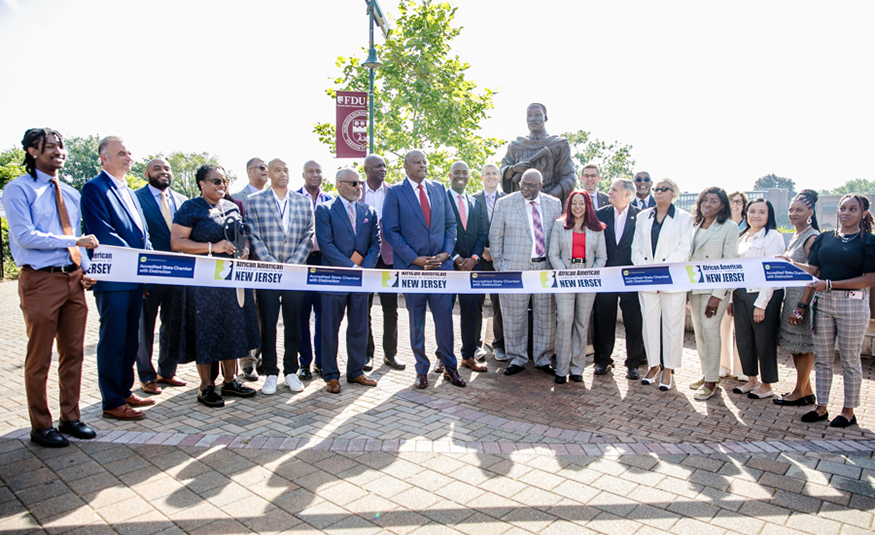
(136, 401)
(421, 381)
(332, 386)
(124, 413)
(471, 363)
(453, 377)
(362, 380)
(172, 381)
(151, 387)
(439, 367)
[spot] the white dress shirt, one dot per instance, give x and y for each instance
(127, 198)
(282, 205)
(375, 198)
(620, 222)
(415, 187)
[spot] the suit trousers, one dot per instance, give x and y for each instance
(572, 323)
(270, 302)
(389, 304)
(471, 319)
(442, 313)
(729, 351)
(118, 343)
(838, 317)
(497, 328)
(667, 341)
(54, 306)
(159, 297)
(253, 358)
(605, 325)
(516, 326)
(708, 340)
(311, 301)
(333, 307)
(757, 342)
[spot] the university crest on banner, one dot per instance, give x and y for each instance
(352, 124)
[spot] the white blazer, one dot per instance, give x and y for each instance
(675, 238)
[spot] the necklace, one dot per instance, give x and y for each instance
(847, 238)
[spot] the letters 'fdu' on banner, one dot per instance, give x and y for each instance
(352, 124)
(152, 267)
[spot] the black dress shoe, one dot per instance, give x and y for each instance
(369, 365)
(209, 397)
(546, 368)
(77, 429)
(304, 374)
(812, 416)
(559, 380)
(48, 438)
(577, 378)
(421, 381)
(841, 421)
(237, 389)
(453, 377)
(633, 374)
(392, 363)
(602, 369)
(513, 369)
(805, 400)
(317, 370)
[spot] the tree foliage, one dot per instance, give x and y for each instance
(83, 161)
(857, 185)
(184, 166)
(773, 181)
(614, 159)
(421, 96)
(11, 165)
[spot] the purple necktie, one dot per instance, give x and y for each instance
(540, 248)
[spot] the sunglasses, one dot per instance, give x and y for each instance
(661, 190)
(259, 167)
(355, 184)
(642, 179)
(217, 181)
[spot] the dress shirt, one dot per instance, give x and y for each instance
(464, 197)
(620, 222)
(36, 237)
(252, 189)
(644, 203)
(595, 199)
(490, 207)
(537, 201)
(415, 187)
(375, 198)
(282, 206)
(314, 202)
(765, 243)
(171, 202)
(128, 198)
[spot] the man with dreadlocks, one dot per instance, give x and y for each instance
(44, 237)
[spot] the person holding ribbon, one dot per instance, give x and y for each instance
(729, 362)
(208, 325)
(577, 242)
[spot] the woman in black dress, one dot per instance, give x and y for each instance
(208, 324)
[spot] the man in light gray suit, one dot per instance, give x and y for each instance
(518, 240)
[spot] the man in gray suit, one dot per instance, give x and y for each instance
(590, 176)
(486, 199)
(282, 232)
(518, 239)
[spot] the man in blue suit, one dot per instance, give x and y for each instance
(419, 225)
(159, 204)
(111, 212)
(348, 232)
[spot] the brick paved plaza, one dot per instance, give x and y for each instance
(504, 455)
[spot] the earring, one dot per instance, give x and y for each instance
(808, 221)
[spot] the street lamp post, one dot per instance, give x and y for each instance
(375, 14)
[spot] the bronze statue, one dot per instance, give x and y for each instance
(550, 155)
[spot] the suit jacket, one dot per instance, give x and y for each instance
(106, 215)
(619, 254)
(720, 240)
(675, 238)
(338, 242)
(159, 234)
(651, 202)
(480, 197)
(602, 198)
(268, 241)
(510, 236)
(562, 245)
(469, 241)
(243, 196)
(405, 229)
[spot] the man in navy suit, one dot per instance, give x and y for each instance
(419, 225)
(470, 241)
(159, 204)
(111, 212)
(643, 199)
(348, 232)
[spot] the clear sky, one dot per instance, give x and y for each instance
(707, 93)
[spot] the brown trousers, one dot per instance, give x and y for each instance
(54, 307)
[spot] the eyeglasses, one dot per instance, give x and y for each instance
(259, 167)
(642, 179)
(736, 201)
(355, 184)
(662, 190)
(217, 181)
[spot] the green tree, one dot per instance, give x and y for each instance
(857, 185)
(614, 159)
(421, 96)
(184, 166)
(83, 161)
(773, 181)
(11, 165)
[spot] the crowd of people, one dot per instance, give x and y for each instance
(420, 224)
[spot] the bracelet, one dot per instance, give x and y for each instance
(210, 248)
(801, 305)
(828, 285)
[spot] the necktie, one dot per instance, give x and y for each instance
(351, 215)
(165, 210)
(463, 215)
(490, 203)
(64, 217)
(540, 247)
(426, 209)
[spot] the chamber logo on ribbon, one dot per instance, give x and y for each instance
(484, 280)
(390, 279)
(224, 270)
(158, 265)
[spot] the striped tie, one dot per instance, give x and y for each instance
(540, 247)
(463, 214)
(351, 214)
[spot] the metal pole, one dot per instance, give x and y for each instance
(371, 82)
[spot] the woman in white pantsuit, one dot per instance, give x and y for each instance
(664, 234)
(577, 242)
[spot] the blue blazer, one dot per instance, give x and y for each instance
(159, 234)
(105, 215)
(405, 229)
(469, 241)
(338, 242)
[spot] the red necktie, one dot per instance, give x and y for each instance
(463, 214)
(75, 255)
(426, 209)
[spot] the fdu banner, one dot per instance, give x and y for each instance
(351, 125)
(131, 265)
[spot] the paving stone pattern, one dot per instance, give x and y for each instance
(504, 455)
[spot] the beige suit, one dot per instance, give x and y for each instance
(573, 309)
(719, 240)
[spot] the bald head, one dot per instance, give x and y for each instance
(278, 172)
(416, 166)
(348, 184)
(375, 171)
(312, 178)
(158, 173)
(459, 176)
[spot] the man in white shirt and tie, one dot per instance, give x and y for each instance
(590, 176)
(486, 198)
(643, 199)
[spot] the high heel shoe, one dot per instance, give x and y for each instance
(649, 381)
(667, 387)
